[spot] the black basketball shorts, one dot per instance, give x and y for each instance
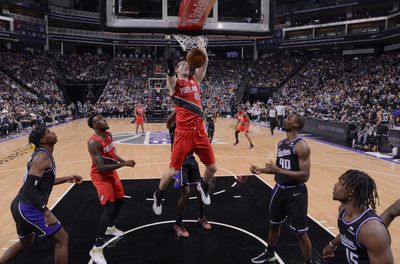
(290, 202)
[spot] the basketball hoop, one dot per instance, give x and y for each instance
(190, 42)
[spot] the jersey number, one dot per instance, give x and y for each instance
(352, 258)
(285, 164)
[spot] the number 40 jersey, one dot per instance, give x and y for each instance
(287, 159)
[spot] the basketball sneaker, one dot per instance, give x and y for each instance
(265, 257)
(96, 253)
(157, 206)
(202, 187)
(181, 230)
(204, 223)
(251, 146)
(113, 231)
(237, 142)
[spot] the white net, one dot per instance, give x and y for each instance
(190, 42)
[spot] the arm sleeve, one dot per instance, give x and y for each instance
(31, 192)
(169, 54)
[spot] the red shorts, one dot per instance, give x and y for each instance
(242, 128)
(195, 140)
(109, 188)
(139, 120)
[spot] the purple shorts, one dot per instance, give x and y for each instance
(31, 220)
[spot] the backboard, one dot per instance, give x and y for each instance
(227, 17)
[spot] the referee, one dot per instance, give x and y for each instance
(272, 119)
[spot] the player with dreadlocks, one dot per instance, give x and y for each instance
(29, 208)
(362, 232)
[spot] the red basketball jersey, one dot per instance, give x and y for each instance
(187, 100)
(109, 155)
(242, 118)
(139, 111)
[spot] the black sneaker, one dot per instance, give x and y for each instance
(237, 142)
(157, 206)
(202, 187)
(251, 146)
(264, 257)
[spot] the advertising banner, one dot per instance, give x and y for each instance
(329, 129)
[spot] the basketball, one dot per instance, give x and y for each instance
(196, 58)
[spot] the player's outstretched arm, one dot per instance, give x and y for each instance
(330, 248)
(375, 237)
(39, 164)
(247, 119)
(71, 179)
(201, 72)
(391, 213)
(94, 148)
(121, 159)
(171, 74)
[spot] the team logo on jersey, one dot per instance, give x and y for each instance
(347, 242)
(284, 152)
(108, 147)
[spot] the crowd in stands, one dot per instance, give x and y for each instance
(127, 85)
(348, 89)
(272, 71)
(34, 72)
(21, 109)
(330, 87)
(83, 68)
(345, 88)
(221, 82)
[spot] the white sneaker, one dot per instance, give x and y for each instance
(113, 231)
(157, 206)
(205, 197)
(96, 253)
(264, 257)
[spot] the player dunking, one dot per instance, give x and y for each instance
(290, 196)
(362, 232)
(139, 117)
(190, 134)
(29, 208)
(187, 177)
(242, 125)
(105, 179)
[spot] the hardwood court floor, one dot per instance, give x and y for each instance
(327, 164)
